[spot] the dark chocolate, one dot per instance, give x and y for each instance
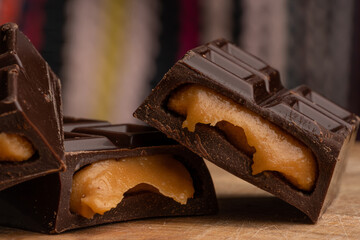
(46, 207)
(325, 128)
(70, 123)
(30, 106)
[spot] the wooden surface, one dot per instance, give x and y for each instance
(245, 213)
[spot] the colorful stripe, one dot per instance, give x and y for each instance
(83, 54)
(133, 76)
(237, 14)
(33, 22)
(10, 11)
(114, 29)
(189, 26)
(295, 45)
(265, 31)
(354, 96)
(215, 21)
(319, 47)
(337, 77)
(53, 33)
(168, 39)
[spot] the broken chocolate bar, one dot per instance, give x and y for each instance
(111, 176)
(229, 107)
(31, 135)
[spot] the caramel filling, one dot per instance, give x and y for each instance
(15, 148)
(271, 148)
(100, 186)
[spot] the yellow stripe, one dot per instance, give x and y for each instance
(114, 32)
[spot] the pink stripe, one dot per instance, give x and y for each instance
(189, 24)
(34, 21)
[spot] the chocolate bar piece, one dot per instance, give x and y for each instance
(31, 135)
(229, 107)
(49, 205)
(70, 123)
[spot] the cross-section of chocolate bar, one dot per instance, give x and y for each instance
(114, 173)
(231, 108)
(31, 134)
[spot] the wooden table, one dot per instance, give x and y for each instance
(245, 213)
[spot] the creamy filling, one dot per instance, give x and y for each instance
(101, 186)
(15, 148)
(271, 148)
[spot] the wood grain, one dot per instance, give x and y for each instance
(246, 212)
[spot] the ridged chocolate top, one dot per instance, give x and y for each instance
(255, 82)
(235, 69)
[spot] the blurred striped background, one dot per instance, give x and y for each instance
(110, 53)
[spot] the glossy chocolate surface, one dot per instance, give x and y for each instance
(46, 208)
(325, 128)
(30, 106)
